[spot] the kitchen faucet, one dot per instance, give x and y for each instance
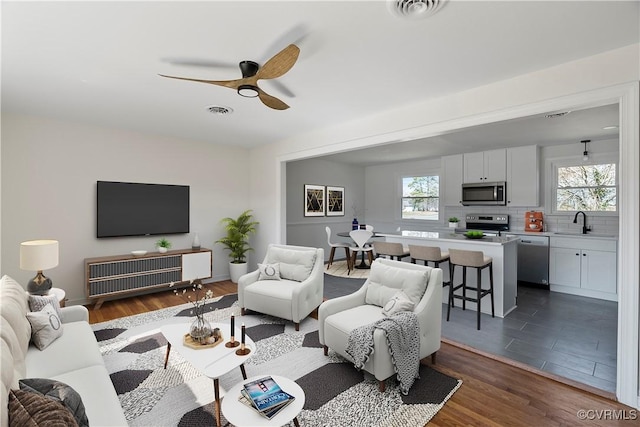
(584, 221)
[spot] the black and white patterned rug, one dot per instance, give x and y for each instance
(336, 393)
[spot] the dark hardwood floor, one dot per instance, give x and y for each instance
(493, 393)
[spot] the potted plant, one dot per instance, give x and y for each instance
(163, 245)
(453, 222)
(236, 241)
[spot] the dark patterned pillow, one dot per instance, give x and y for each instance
(28, 409)
(59, 392)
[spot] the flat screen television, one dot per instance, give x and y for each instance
(134, 209)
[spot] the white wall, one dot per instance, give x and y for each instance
(310, 231)
(49, 174)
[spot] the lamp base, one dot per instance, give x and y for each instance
(39, 285)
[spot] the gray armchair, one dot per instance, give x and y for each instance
(338, 317)
(289, 283)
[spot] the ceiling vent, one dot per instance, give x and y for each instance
(414, 9)
(556, 115)
(219, 110)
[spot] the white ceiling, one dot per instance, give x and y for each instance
(98, 62)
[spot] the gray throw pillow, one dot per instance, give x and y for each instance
(59, 392)
(37, 303)
(399, 302)
(46, 326)
(269, 271)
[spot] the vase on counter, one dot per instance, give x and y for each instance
(354, 224)
(195, 245)
(200, 329)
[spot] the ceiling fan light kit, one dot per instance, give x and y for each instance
(247, 86)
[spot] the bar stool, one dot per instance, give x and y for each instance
(391, 250)
(429, 254)
(473, 259)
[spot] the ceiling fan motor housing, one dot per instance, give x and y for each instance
(249, 68)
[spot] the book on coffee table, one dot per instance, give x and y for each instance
(266, 396)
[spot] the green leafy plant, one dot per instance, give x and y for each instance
(163, 243)
(238, 231)
(454, 219)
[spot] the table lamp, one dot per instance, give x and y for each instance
(38, 255)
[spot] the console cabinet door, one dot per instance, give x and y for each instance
(564, 266)
(196, 265)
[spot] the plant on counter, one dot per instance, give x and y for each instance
(453, 222)
(454, 219)
(163, 244)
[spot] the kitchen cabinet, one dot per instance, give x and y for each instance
(583, 266)
(522, 176)
(485, 166)
(452, 180)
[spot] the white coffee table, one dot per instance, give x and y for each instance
(240, 415)
(212, 362)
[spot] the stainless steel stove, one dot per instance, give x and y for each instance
(489, 223)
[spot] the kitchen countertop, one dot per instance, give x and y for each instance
(563, 234)
(451, 236)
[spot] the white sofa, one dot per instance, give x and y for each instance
(74, 358)
(339, 316)
(298, 290)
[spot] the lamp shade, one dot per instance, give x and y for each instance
(37, 255)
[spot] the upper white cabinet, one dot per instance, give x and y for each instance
(522, 176)
(485, 166)
(583, 266)
(452, 180)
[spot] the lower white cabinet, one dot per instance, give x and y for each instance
(583, 266)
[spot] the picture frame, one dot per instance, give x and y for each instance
(335, 201)
(314, 200)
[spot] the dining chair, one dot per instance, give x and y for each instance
(361, 237)
(333, 247)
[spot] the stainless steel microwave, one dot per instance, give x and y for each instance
(484, 193)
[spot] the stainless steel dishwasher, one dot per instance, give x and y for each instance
(533, 259)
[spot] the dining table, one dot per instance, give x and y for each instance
(363, 265)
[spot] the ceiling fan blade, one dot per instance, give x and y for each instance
(282, 88)
(233, 84)
(271, 101)
(295, 35)
(280, 63)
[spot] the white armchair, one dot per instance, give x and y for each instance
(338, 317)
(289, 283)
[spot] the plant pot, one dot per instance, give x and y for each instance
(453, 225)
(236, 270)
(162, 250)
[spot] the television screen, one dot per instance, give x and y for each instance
(132, 209)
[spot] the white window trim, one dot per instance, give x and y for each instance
(551, 174)
(398, 201)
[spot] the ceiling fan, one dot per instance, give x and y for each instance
(247, 86)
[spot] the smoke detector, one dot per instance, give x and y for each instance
(219, 110)
(414, 9)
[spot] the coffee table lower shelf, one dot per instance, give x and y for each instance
(240, 415)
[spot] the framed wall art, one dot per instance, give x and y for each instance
(335, 201)
(314, 200)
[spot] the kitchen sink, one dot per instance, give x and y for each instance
(583, 235)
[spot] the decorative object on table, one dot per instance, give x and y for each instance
(195, 245)
(354, 224)
(474, 234)
(314, 200)
(211, 341)
(163, 245)
(243, 351)
(39, 255)
(335, 201)
(200, 329)
(265, 396)
(453, 222)
(138, 253)
(236, 241)
(232, 341)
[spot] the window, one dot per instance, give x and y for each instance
(591, 188)
(421, 197)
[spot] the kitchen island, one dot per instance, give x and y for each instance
(503, 250)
